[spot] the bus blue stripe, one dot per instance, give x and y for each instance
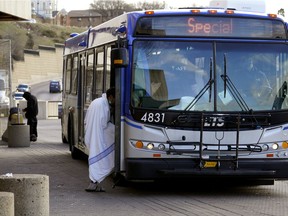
(101, 155)
(131, 124)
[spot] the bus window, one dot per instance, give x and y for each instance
(99, 74)
(68, 75)
(169, 72)
(74, 75)
(108, 69)
(158, 86)
(258, 79)
(139, 82)
(89, 78)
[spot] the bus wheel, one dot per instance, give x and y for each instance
(64, 140)
(75, 153)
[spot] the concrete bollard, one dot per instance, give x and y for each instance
(31, 193)
(6, 204)
(19, 135)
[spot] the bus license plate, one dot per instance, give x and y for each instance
(209, 164)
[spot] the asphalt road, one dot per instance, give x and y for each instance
(41, 91)
(68, 178)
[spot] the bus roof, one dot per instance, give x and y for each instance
(106, 32)
(241, 5)
(76, 42)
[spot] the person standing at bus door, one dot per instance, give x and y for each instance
(99, 139)
(31, 112)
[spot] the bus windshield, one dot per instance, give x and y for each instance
(209, 76)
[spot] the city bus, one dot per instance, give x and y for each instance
(200, 92)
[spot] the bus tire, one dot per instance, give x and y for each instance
(75, 153)
(64, 140)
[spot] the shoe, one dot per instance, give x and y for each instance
(94, 187)
(33, 138)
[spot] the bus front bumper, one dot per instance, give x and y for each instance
(151, 169)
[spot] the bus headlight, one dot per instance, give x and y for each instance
(275, 146)
(161, 147)
(265, 147)
(150, 146)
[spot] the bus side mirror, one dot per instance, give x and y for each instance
(119, 57)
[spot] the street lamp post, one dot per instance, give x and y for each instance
(10, 73)
(37, 7)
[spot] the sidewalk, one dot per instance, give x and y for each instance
(49, 156)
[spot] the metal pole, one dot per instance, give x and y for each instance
(8, 87)
(117, 118)
(10, 73)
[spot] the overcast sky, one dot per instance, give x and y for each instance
(271, 5)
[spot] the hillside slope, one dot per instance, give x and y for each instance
(25, 35)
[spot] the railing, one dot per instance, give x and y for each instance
(54, 109)
(46, 109)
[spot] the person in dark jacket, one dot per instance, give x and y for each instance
(31, 112)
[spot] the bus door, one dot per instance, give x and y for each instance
(80, 100)
(87, 85)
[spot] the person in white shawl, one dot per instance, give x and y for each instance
(99, 138)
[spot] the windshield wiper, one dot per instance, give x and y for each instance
(198, 96)
(278, 101)
(232, 88)
(207, 86)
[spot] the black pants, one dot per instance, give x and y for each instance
(32, 122)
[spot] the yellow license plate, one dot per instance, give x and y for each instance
(209, 164)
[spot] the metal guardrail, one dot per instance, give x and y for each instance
(46, 109)
(54, 109)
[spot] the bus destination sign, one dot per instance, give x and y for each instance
(211, 26)
(208, 28)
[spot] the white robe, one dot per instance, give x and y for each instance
(99, 138)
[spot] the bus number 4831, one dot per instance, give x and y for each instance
(153, 117)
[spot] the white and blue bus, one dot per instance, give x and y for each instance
(199, 92)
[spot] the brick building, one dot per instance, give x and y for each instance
(83, 18)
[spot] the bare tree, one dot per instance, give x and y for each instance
(150, 6)
(110, 8)
(281, 12)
